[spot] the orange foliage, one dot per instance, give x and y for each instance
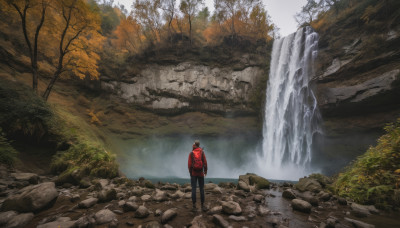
(129, 36)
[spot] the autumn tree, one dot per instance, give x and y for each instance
(32, 14)
(169, 12)
(128, 36)
(75, 33)
(260, 24)
(147, 14)
(189, 8)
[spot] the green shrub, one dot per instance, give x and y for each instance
(8, 154)
(374, 178)
(90, 160)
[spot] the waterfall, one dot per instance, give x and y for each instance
(291, 112)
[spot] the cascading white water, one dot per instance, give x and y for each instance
(291, 113)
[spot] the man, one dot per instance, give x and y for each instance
(197, 165)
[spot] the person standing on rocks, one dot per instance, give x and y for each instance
(197, 165)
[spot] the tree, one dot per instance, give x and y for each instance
(309, 12)
(32, 14)
(168, 6)
(146, 13)
(78, 40)
(189, 8)
(260, 25)
(129, 35)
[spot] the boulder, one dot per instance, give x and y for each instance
(259, 198)
(198, 222)
(73, 177)
(308, 184)
(288, 194)
(262, 210)
(31, 198)
(145, 197)
(210, 186)
(342, 201)
(160, 196)
(130, 206)
(363, 210)
(218, 220)
(104, 216)
(142, 212)
(177, 195)
(107, 195)
(359, 224)
(169, 187)
(324, 196)
(20, 220)
(153, 224)
(87, 203)
(259, 182)
(231, 208)
(32, 178)
(309, 197)
(64, 222)
(217, 190)
(301, 205)
(168, 215)
(243, 186)
(6, 216)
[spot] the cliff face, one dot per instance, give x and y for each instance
(193, 86)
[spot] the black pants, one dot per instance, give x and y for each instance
(193, 180)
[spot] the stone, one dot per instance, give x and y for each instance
(158, 212)
(324, 196)
(259, 198)
(259, 182)
(359, 224)
(187, 195)
(274, 221)
(160, 196)
(231, 208)
(73, 177)
(107, 195)
(342, 201)
(237, 218)
(210, 186)
(84, 222)
(133, 198)
(331, 222)
(218, 220)
(32, 178)
(6, 216)
(104, 216)
(169, 187)
(168, 215)
(20, 220)
(32, 198)
(289, 194)
(217, 190)
(177, 195)
(75, 198)
(309, 197)
(262, 210)
(243, 186)
(145, 197)
(153, 224)
(215, 210)
(360, 210)
(113, 224)
(198, 222)
(137, 192)
(103, 182)
(64, 222)
(301, 205)
(142, 212)
(308, 184)
(130, 206)
(88, 203)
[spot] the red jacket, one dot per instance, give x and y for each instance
(190, 163)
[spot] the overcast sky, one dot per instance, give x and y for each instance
(281, 11)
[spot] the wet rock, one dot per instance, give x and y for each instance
(130, 206)
(309, 197)
(231, 208)
(308, 184)
(168, 215)
(243, 186)
(259, 182)
(88, 203)
(215, 210)
(69, 177)
(359, 224)
(160, 196)
(218, 220)
(107, 195)
(331, 222)
(121, 203)
(104, 216)
(113, 224)
(32, 198)
(198, 222)
(145, 197)
(259, 198)
(237, 218)
(288, 194)
(342, 201)
(20, 220)
(75, 198)
(133, 198)
(158, 212)
(301, 205)
(64, 222)
(324, 196)
(84, 222)
(262, 210)
(32, 178)
(6, 216)
(84, 183)
(142, 212)
(274, 221)
(360, 210)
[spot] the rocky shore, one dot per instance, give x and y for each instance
(30, 200)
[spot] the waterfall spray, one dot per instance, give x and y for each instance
(291, 112)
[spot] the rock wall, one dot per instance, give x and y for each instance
(190, 86)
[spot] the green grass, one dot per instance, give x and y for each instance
(8, 155)
(374, 178)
